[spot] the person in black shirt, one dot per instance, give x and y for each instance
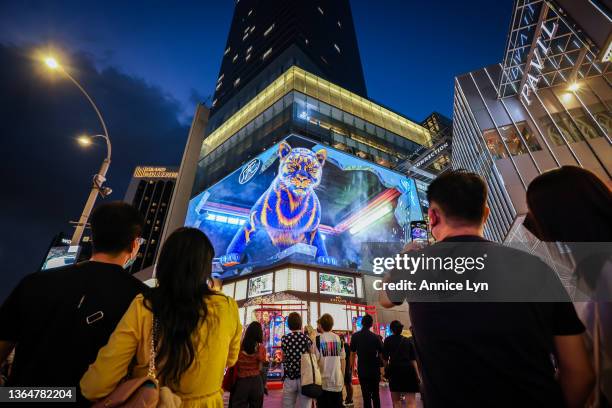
(401, 368)
(56, 321)
(491, 353)
(368, 348)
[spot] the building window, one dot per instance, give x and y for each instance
(321, 11)
(248, 57)
(306, 41)
(252, 29)
(218, 86)
(220, 78)
(250, 12)
(267, 53)
(269, 29)
(249, 49)
(339, 24)
(227, 50)
(214, 102)
(337, 48)
(237, 82)
(324, 60)
(494, 144)
(235, 58)
(244, 37)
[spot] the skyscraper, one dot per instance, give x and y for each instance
(267, 37)
(150, 191)
(295, 177)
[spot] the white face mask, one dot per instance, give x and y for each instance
(129, 262)
(133, 256)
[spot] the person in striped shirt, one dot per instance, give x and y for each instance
(332, 359)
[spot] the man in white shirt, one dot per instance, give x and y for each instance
(331, 356)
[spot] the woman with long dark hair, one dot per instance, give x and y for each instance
(573, 206)
(196, 330)
(248, 392)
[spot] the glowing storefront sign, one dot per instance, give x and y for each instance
(535, 60)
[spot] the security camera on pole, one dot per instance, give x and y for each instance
(100, 178)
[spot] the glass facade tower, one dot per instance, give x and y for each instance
(547, 105)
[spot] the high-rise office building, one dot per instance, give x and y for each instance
(150, 191)
(546, 105)
(296, 172)
(267, 37)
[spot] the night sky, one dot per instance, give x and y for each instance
(147, 64)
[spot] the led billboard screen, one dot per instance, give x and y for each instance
(307, 201)
(59, 256)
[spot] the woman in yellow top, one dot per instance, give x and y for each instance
(198, 330)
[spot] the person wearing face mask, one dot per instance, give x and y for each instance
(57, 320)
(494, 348)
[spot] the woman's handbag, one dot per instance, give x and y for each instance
(310, 376)
(229, 378)
(142, 392)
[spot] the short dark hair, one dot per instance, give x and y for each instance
(326, 322)
(367, 321)
(114, 226)
(461, 195)
(396, 327)
(294, 321)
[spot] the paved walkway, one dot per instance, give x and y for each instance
(273, 400)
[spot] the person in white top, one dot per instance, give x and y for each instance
(331, 356)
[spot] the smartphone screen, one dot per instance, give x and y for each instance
(418, 230)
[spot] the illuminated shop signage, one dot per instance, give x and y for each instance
(535, 61)
(433, 154)
(154, 172)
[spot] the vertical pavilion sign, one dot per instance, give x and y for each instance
(535, 60)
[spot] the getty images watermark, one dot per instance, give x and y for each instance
(405, 264)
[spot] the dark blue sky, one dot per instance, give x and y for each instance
(147, 64)
(411, 50)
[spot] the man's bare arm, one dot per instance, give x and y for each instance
(5, 349)
(383, 298)
(576, 375)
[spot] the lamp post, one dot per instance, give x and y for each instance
(99, 179)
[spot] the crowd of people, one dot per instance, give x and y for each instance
(93, 326)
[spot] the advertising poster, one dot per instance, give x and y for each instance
(336, 285)
(260, 285)
(306, 201)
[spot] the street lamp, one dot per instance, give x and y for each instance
(99, 179)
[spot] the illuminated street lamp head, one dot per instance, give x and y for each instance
(574, 86)
(51, 63)
(84, 140)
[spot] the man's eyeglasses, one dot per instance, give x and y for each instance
(140, 240)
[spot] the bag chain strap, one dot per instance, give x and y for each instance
(152, 370)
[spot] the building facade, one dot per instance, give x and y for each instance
(301, 102)
(150, 191)
(546, 105)
(295, 176)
